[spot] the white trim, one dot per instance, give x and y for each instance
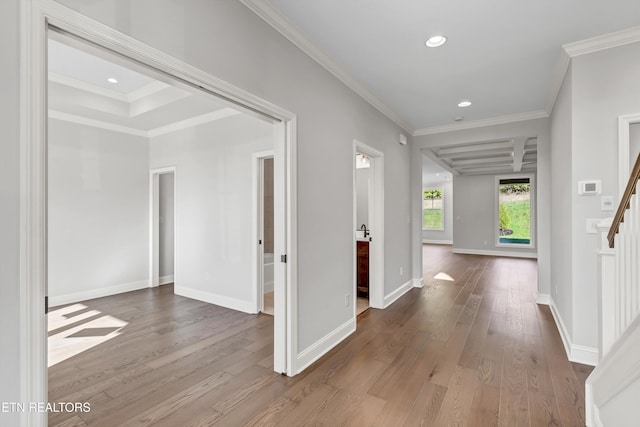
(86, 87)
(543, 299)
(165, 280)
(162, 130)
(72, 118)
(602, 42)
(146, 90)
(192, 121)
(395, 295)
(321, 347)
(499, 120)
(575, 353)
(618, 369)
(97, 293)
(281, 24)
(511, 254)
(437, 242)
(376, 220)
(219, 300)
(418, 283)
(624, 159)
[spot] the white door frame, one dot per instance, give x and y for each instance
(36, 18)
(376, 220)
(257, 161)
(154, 224)
(624, 145)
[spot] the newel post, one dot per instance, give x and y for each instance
(606, 289)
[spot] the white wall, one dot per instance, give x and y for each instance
(362, 197)
(561, 195)
(445, 235)
(166, 235)
(605, 85)
(10, 359)
(98, 212)
(227, 40)
(214, 241)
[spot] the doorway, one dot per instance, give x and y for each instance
(368, 226)
(264, 231)
(43, 17)
(162, 208)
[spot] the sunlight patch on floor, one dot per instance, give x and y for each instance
(444, 276)
(83, 336)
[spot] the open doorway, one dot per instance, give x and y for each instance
(368, 225)
(162, 226)
(263, 178)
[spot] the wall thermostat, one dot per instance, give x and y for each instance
(588, 188)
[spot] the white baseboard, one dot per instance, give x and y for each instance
(97, 293)
(164, 280)
(222, 301)
(393, 296)
(543, 299)
(511, 254)
(575, 353)
(268, 287)
(418, 283)
(437, 242)
(324, 344)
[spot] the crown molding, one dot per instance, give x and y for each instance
(146, 90)
(500, 120)
(193, 121)
(87, 87)
(265, 10)
(59, 115)
(605, 41)
(162, 130)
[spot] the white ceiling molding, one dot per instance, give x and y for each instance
(193, 121)
(87, 87)
(182, 124)
(500, 120)
(145, 91)
(606, 41)
(96, 123)
(265, 10)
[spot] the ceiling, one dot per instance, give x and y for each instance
(433, 173)
(138, 104)
(505, 56)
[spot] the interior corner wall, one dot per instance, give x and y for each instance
(98, 212)
(445, 235)
(605, 85)
(214, 206)
(561, 199)
(10, 302)
(228, 41)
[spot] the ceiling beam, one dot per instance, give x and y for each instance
(518, 153)
(481, 160)
(467, 149)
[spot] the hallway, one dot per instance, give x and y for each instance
(471, 348)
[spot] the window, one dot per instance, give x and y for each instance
(432, 209)
(515, 204)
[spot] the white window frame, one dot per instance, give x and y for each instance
(433, 187)
(532, 212)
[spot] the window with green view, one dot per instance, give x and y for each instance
(514, 211)
(432, 209)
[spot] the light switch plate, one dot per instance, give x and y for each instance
(606, 203)
(592, 225)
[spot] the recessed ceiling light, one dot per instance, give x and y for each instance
(436, 41)
(464, 103)
(112, 80)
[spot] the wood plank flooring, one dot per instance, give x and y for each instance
(471, 348)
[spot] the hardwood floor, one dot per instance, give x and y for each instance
(470, 348)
